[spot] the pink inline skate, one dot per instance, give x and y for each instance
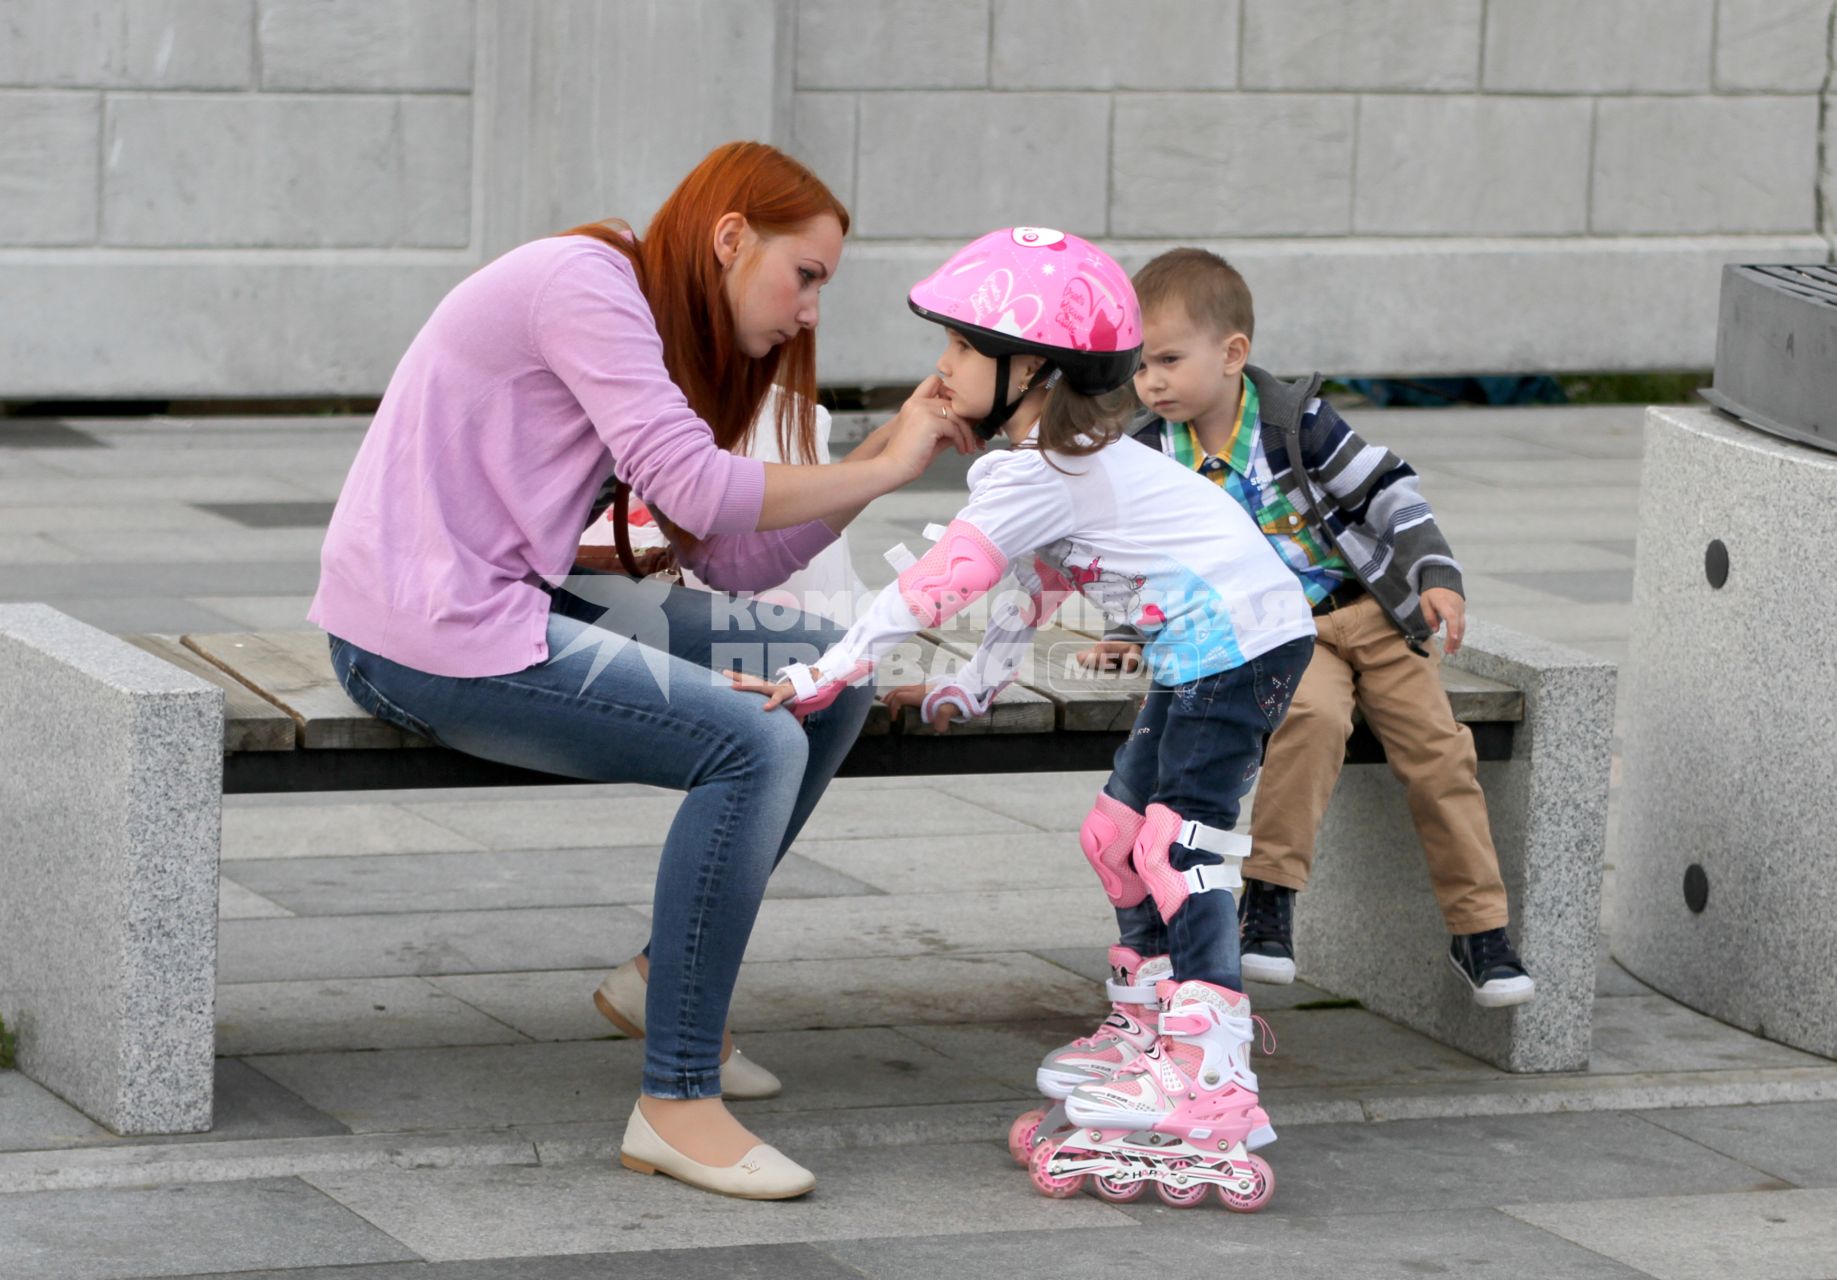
(1183, 1115)
(1129, 1030)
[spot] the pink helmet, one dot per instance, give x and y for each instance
(1036, 291)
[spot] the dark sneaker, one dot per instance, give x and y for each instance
(1266, 927)
(1489, 965)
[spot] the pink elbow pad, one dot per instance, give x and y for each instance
(960, 566)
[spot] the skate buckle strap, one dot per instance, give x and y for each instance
(1121, 994)
(798, 674)
(1184, 1024)
(1206, 877)
(935, 532)
(1226, 844)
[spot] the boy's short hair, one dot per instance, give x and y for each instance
(1210, 289)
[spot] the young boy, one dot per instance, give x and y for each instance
(1347, 518)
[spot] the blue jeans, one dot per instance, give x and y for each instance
(628, 695)
(1196, 749)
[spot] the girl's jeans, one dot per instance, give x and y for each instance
(1196, 749)
(631, 692)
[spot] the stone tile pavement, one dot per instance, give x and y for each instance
(413, 1085)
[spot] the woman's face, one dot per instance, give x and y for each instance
(772, 281)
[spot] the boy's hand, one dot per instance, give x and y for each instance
(1439, 605)
(1112, 655)
(913, 695)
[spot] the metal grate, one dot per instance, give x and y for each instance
(1776, 351)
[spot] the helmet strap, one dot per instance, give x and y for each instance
(1004, 408)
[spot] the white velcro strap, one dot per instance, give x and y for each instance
(1204, 839)
(798, 674)
(1205, 877)
(1119, 994)
(935, 532)
(900, 557)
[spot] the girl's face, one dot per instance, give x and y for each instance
(969, 377)
(772, 281)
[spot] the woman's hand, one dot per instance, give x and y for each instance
(606, 559)
(925, 426)
(778, 692)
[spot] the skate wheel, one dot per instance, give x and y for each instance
(1265, 1179)
(1021, 1134)
(1181, 1197)
(1050, 1186)
(1117, 1191)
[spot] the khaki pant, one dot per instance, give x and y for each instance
(1361, 658)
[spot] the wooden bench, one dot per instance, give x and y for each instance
(115, 755)
(288, 726)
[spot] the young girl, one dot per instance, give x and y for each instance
(1041, 326)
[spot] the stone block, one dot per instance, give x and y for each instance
(277, 170)
(110, 789)
(1584, 46)
(1356, 44)
(892, 44)
(1368, 926)
(823, 137)
(1721, 165)
(936, 165)
(366, 45)
(184, 327)
(1376, 306)
(48, 161)
(1472, 166)
(1775, 46)
(1729, 733)
(1264, 164)
(128, 44)
(1089, 45)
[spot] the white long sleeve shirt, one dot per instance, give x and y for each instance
(1153, 545)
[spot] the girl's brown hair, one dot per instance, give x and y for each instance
(681, 279)
(1077, 425)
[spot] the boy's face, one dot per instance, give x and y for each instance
(1188, 371)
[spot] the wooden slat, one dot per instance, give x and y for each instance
(293, 670)
(1084, 701)
(249, 722)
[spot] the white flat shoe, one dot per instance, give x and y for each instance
(620, 1000)
(764, 1173)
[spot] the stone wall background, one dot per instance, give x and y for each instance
(266, 197)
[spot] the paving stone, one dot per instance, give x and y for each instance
(496, 880)
(1604, 586)
(331, 830)
(1262, 164)
(1319, 1048)
(579, 823)
(31, 1117)
(1045, 801)
(1653, 1033)
(419, 944)
(805, 994)
(1335, 1170)
(41, 517)
(940, 923)
(741, 1262)
(962, 862)
(234, 902)
(1047, 44)
(1790, 1141)
(362, 1013)
(494, 1086)
(260, 613)
(1402, 1246)
(1786, 1235)
(1092, 963)
(172, 1231)
(1611, 981)
(48, 149)
(1348, 44)
(582, 1208)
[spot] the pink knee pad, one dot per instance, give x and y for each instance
(1159, 827)
(1108, 839)
(960, 566)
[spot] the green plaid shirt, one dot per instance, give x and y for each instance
(1242, 471)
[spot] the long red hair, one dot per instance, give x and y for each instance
(681, 279)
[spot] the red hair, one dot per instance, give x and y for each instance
(681, 279)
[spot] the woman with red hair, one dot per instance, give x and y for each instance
(447, 579)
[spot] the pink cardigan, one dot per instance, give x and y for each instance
(500, 425)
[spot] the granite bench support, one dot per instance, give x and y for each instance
(1368, 926)
(115, 753)
(111, 765)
